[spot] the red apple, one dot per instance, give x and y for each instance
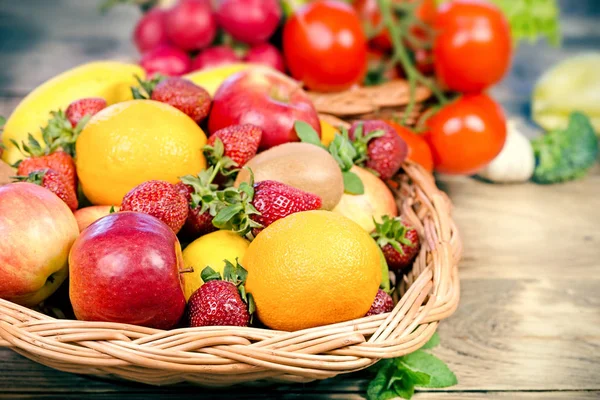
(213, 56)
(37, 230)
(88, 215)
(150, 31)
(191, 24)
(166, 60)
(125, 268)
(266, 54)
(266, 98)
(249, 21)
(377, 201)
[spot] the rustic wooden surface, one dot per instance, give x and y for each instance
(528, 325)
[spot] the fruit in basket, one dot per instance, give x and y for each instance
(134, 142)
(214, 56)
(166, 60)
(199, 219)
(267, 99)
(325, 47)
(465, 135)
(399, 242)
(473, 48)
(110, 80)
(239, 143)
(161, 200)
(312, 268)
(38, 230)
(212, 77)
(88, 215)
(327, 132)
(150, 31)
(58, 161)
(54, 182)
(418, 148)
(220, 301)
(210, 250)
(383, 303)
(185, 96)
(376, 202)
(89, 106)
(301, 165)
(249, 21)
(266, 54)
(384, 149)
(125, 268)
(190, 24)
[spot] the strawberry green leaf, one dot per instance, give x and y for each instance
(226, 214)
(307, 134)
(209, 274)
(352, 183)
(112, 210)
(433, 341)
(420, 361)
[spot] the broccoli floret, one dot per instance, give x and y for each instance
(565, 154)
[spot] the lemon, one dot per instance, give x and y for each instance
(310, 269)
(210, 250)
(136, 141)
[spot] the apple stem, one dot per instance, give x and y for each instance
(186, 270)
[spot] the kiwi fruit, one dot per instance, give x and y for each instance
(301, 165)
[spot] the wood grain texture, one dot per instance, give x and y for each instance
(528, 325)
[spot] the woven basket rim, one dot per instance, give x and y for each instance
(223, 356)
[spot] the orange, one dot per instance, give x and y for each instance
(312, 268)
(133, 142)
(327, 132)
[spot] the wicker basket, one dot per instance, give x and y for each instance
(223, 356)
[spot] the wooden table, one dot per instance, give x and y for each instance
(528, 325)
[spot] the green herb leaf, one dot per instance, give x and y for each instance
(307, 134)
(433, 341)
(2, 121)
(209, 274)
(352, 183)
(378, 388)
(420, 361)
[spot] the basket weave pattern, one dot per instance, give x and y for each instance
(223, 356)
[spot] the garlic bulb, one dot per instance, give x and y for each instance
(516, 161)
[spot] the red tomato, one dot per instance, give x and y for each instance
(418, 148)
(369, 11)
(473, 47)
(325, 47)
(466, 134)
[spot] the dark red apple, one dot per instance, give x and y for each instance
(249, 21)
(125, 268)
(150, 31)
(191, 24)
(214, 56)
(266, 54)
(166, 60)
(265, 98)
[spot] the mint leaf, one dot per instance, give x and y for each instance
(380, 388)
(307, 134)
(420, 361)
(352, 183)
(432, 342)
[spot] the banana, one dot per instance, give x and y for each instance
(110, 80)
(211, 78)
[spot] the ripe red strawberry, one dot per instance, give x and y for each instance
(59, 161)
(399, 242)
(159, 199)
(83, 107)
(239, 143)
(184, 95)
(379, 147)
(383, 303)
(276, 200)
(54, 182)
(221, 302)
(197, 223)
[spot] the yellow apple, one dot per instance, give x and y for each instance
(88, 215)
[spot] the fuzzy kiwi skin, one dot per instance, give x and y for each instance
(301, 165)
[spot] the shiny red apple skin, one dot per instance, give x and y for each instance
(37, 230)
(125, 268)
(88, 215)
(266, 98)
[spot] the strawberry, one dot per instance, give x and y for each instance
(383, 303)
(59, 161)
(276, 200)
(81, 108)
(221, 302)
(159, 199)
(238, 142)
(399, 242)
(54, 182)
(180, 93)
(379, 147)
(198, 222)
